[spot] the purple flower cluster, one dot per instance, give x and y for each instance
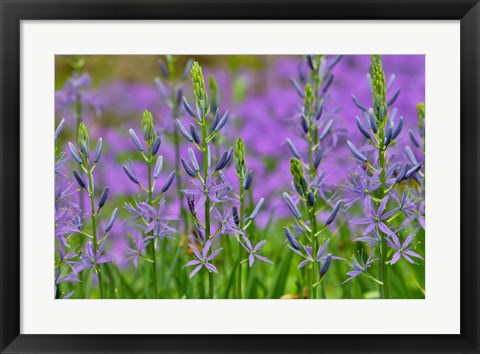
(389, 184)
(211, 191)
(320, 137)
(70, 217)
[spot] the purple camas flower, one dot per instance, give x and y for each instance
(375, 218)
(226, 221)
(156, 219)
(91, 259)
(360, 266)
(371, 239)
(203, 258)
(67, 223)
(402, 249)
(138, 248)
(359, 186)
(253, 251)
(211, 189)
(306, 253)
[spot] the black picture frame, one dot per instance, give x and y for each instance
(14, 11)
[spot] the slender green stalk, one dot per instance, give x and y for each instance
(211, 294)
(78, 118)
(312, 212)
(207, 201)
(152, 243)
(383, 274)
(242, 216)
(94, 223)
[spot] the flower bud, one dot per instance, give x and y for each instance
(358, 104)
(318, 158)
(255, 211)
(308, 98)
(318, 115)
(236, 217)
(191, 204)
(311, 63)
(373, 122)
(356, 152)
(59, 129)
(193, 159)
(334, 213)
(112, 220)
(291, 239)
(413, 170)
(291, 205)
(135, 139)
(297, 87)
(394, 97)
(328, 83)
(222, 121)
(304, 124)
(198, 85)
(156, 145)
(187, 69)
(398, 128)
(325, 266)
(310, 199)
(410, 155)
(79, 179)
(388, 138)
(187, 168)
(103, 198)
(224, 159)
(362, 129)
(293, 149)
(158, 167)
(401, 174)
(199, 232)
(83, 139)
(188, 108)
(74, 153)
(335, 61)
(183, 131)
(247, 182)
(216, 120)
(98, 150)
(298, 176)
(148, 128)
(194, 134)
(130, 174)
(239, 156)
(168, 181)
(326, 130)
(413, 138)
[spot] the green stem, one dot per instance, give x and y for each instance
(312, 212)
(152, 242)
(241, 216)
(94, 224)
(383, 274)
(78, 118)
(210, 286)
(207, 201)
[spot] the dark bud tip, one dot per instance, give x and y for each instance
(79, 179)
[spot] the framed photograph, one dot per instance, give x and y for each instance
(206, 176)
